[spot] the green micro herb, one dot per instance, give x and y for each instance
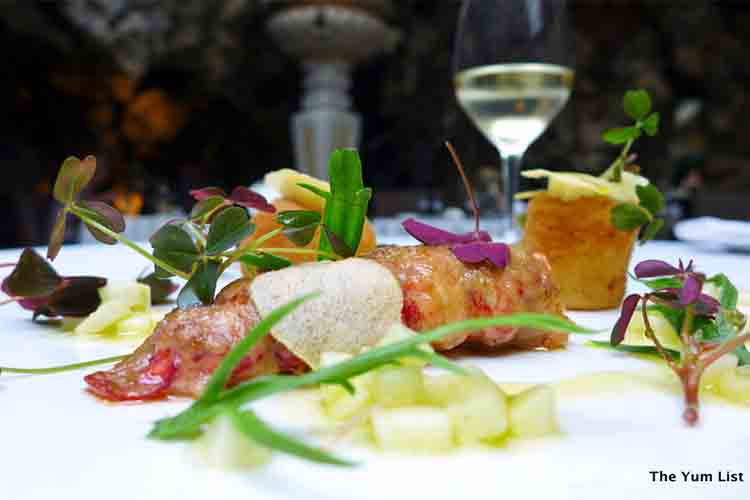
(708, 328)
(217, 400)
(198, 248)
(629, 216)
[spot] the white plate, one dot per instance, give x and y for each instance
(60, 443)
(715, 233)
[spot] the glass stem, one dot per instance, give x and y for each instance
(511, 168)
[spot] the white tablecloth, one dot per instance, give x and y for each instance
(60, 443)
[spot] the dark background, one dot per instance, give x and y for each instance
(185, 93)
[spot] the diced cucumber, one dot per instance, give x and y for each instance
(480, 412)
(533, 413)
(137, 323)
(415, 429)
(663, 329)
(710, 380)
(222, 445)
(735, 385)
(136, 295)
(106, 315)
(398, 386)
(337, 402)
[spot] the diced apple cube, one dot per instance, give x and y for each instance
(398, 332)
(710, 380)
(480, 412)
(442, 389)
(137, 323)
(415, 429)
(533, 413)
(336, 401)
(735, 385)
(398, 386)
(223, 446)
(105, 316)
(663, 330)
(136, 295)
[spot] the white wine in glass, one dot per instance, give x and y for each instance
(512, 104)
(512, 75)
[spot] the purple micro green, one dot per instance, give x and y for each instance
(707, 305)
(433, 236)
(653, 268)
(471, 247)
(479, 251)
(691, 290)
(688, 268)
(626, 313)
(709, 328)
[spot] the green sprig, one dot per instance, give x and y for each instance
(62, 368)
(637, 105)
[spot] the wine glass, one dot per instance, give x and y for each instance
(513, 75)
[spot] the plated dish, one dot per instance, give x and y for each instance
(322, 309)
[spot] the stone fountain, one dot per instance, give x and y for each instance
(328, 37)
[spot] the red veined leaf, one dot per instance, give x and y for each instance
(207, 192)
(77, 296)
(250, 199)
(32, 277)
(105, 215)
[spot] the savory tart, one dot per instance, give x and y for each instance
(571, 225)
